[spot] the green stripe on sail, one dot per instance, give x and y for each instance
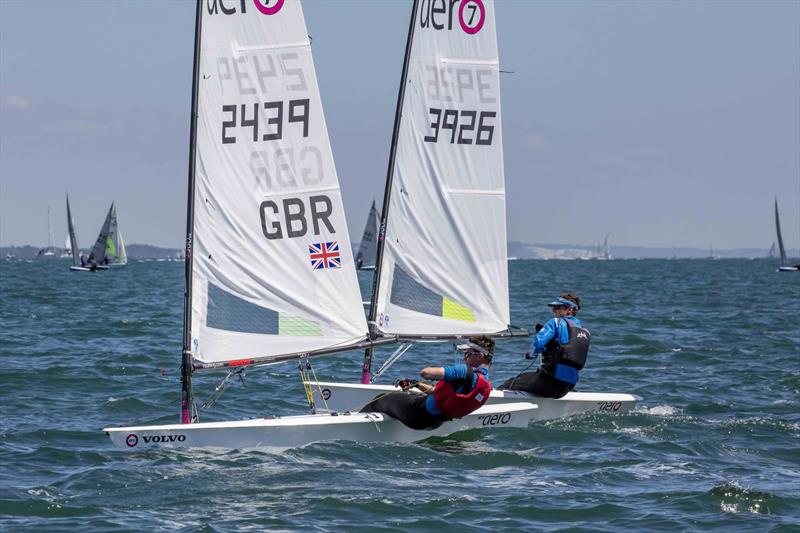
(110, 248)
(451, 309)
(297, 327)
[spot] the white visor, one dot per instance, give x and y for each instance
(472, 346)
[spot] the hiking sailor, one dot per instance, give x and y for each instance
(462, 388)
(563, 344)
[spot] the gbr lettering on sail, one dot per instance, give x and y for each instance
(270, 117)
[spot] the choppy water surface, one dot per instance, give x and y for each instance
(713, 347)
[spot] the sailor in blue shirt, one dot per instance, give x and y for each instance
(563, 344)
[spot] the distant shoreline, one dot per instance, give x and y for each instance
(516, 250)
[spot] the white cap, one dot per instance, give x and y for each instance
(472, 346)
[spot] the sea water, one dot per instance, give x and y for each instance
(712, 347)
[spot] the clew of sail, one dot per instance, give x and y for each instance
(368, 249)
(444, 266)
(272, 269)
(72, 238)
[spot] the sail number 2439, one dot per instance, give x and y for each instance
(466, 127)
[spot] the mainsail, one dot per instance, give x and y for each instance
(443, 267)
(784, 260)
(368, 249)
(115, 247)
(72, 238)
(98, 251)
(270, 269)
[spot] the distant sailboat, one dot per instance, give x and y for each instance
(97, 255)
(109, 248)
(50, 250)
(773, 252)
(77, 258)
(66, 252)
(368, 249)
(785, 266)
(115, 245)
(605, 253)
(712, 254)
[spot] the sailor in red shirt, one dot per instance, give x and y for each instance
(461, 389)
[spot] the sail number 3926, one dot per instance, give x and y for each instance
(466, 127)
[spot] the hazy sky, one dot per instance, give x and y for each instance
(661, 123)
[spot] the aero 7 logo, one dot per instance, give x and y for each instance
(231, 7)
(439, 14)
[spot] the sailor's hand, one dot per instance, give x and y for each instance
(424, 387)
(404, 384)
(538, 327)
(529, 355)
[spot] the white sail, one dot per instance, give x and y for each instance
(444, 268)
(72, 237)
(368, 249)
(272, 267)
(67, 250)
(122, 258)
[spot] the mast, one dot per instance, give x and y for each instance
(365, 371)
(186, 362)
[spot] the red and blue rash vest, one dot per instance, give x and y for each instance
(462, 391)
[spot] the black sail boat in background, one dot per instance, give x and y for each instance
(785, 266)
(368, 249)
(77, 257)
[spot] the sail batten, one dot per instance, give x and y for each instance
(272, 271)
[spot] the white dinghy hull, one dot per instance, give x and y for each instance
(294, 431)
(347, 396)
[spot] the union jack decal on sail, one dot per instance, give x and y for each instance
(324, 255)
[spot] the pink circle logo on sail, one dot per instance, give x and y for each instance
(471, 21)
(132, 440)
(265, 9)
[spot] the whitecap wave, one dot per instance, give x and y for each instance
(659, 410)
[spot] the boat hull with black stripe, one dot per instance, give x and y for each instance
(295, 431)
